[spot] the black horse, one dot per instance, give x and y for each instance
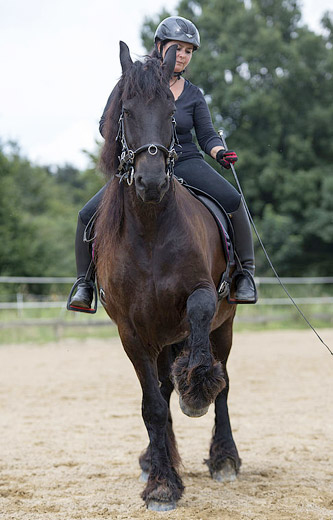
(159, 259)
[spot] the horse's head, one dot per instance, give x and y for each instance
(147, 127)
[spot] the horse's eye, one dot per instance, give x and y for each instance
(127, 113)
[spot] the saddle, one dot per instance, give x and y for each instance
(226, 231)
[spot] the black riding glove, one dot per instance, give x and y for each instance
(226, 158)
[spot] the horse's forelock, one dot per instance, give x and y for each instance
(145, 79)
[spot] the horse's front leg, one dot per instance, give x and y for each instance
(164, 363)
(224, 461)
(197, 375)
(164, 487)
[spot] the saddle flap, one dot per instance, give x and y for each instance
(223, 223)
(222, 220)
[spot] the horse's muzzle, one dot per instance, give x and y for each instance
(151, 190)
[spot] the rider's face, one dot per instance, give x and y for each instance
(183, 56)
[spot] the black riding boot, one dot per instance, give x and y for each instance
(82, 299)
(245, 287)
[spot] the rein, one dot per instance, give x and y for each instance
(126, 168)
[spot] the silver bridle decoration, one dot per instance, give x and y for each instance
(152, 149)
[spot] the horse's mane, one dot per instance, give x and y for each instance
(144, 80)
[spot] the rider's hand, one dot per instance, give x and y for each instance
(226, 158)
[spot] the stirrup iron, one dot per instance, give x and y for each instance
(243, 272)
(91, 310)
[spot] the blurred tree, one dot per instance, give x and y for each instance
(268, 80)
(38, 213)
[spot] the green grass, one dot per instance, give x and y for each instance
(42, 333)
(273, 317)
(47, 334)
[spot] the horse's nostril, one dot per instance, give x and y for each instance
(140, 182)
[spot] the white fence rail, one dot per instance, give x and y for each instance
(19, 304)
(35, 279)
(22, 305)
(259, 280)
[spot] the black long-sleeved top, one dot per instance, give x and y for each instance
(191, 113)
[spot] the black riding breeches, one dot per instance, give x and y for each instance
(195, 172)
(91, 207)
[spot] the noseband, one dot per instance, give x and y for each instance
(126, 160)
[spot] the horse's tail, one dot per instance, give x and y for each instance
(198, 377)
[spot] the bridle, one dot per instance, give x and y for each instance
(126, 168)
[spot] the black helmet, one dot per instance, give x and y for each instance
(179, 29)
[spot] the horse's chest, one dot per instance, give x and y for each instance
(160, 290)
(151, 288)
(158, 312)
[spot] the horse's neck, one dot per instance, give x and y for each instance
(146, 220)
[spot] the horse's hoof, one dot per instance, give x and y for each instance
(227, 473)
(144, 476)
(192, 412)
(155, 505)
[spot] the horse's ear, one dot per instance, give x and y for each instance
(125, 58)
(170, 61)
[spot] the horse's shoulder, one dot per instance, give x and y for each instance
(192, 207)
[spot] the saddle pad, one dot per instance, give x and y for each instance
(222, 224)
(221, 218)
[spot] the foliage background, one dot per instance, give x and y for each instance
(269, 84)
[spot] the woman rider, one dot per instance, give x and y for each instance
(191, 113)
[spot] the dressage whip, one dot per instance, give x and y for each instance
(221, 134)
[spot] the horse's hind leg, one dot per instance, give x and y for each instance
(197, 375)
(224, 461)
(164, 363)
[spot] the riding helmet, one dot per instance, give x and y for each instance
(179, 29)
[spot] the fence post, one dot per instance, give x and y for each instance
(19, 304)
